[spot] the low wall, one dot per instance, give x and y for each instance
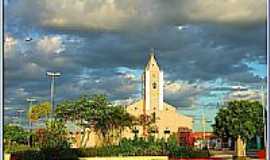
(128, 158)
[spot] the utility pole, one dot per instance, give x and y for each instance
(203, 125)
(239, 90)
(264, 124)
(53, 75)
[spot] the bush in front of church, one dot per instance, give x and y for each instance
(142, 147)
(52, 144)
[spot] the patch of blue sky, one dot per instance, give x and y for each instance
(257, 68)
(207, 104)
(136, 72)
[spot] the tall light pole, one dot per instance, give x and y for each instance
(30, 101)
(53, 75)
(19, 112)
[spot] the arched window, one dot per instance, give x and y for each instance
(154, 85)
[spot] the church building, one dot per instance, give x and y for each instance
(167, 119)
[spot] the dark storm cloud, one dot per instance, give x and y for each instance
(126, 15)
(244, 77)
(189, 54)
(187, 50)
(88, 49)
(25, 73)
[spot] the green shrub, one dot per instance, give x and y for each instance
(141, 147)
(17, 148)
(27, 155)
(106, 151)
(54, 137)
(52, 144)
(187, 152)
(13, 133)
(200, 154)
(127, 147)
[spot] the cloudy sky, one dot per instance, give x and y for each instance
(206, 49)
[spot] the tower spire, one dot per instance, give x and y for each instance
(152, 62)
(153, 85)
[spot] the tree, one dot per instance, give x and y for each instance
(76, 111)
(67, 111)
(121, 119)
(95, 112)
(148, 123)
(241, 120)
(54, 136)
(38, 111)
(110, 121)
(106, 119)
(16, 134)
(53, 141)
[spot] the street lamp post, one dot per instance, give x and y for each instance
(53, 75)
(203, 124)
(204, 121)
(19, 112)
(30, 101)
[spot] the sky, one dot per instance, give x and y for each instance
(205, 48)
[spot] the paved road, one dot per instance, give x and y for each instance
(229, 155)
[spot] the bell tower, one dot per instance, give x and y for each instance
(153, 86)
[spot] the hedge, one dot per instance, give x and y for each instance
(46, 155)
(73, 154)
(137, 147)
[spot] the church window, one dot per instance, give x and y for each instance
(154, 85)
(154, 116)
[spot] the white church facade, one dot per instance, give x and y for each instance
(167, 118)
